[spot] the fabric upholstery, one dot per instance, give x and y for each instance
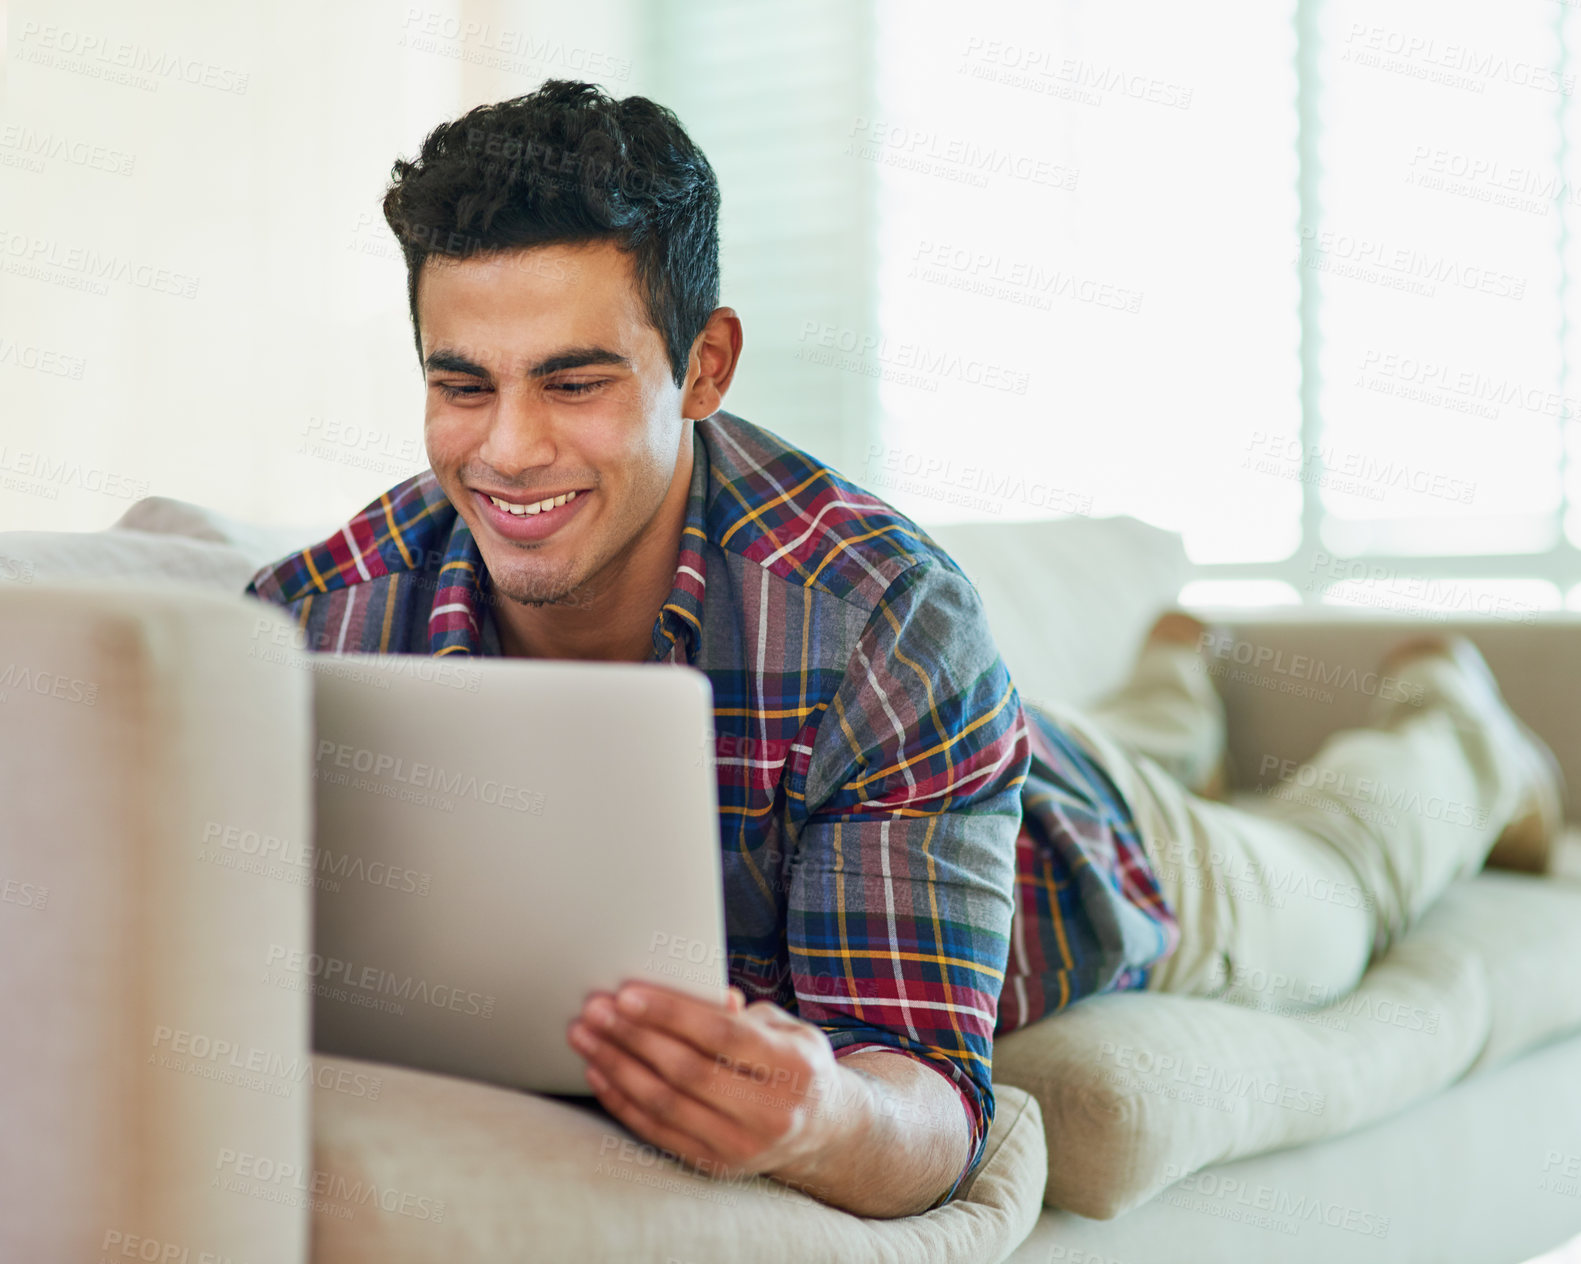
(1527, 934)
(147, 1054)
(1288, 682)
(1485, 1173)
(155, 539)
(443, 1169)
(132, 558)
(1139, 1090)
(164, 515)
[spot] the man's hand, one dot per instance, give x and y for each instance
(736, 1089)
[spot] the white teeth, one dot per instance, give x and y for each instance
(542, 506)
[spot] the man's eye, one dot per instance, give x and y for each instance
(578, 388)
(459, 392)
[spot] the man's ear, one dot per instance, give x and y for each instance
(715, 353)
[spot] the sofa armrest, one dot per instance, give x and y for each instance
(1289, 679)
(153, 741)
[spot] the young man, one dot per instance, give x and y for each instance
(911, 859)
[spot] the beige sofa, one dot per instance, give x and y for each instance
(163, 1103)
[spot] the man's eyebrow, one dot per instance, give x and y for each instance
(453, 362)
(443, 361)
(577, 358)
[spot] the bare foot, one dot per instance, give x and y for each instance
(1527, 840)
(1176, 627)
(1418, 647)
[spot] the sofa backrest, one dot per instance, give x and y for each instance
(1070, 599)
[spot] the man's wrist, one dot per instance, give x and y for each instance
(889, 1140)
(840, 1123)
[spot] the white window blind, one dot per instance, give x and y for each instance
(773, 95)
(1297, 292)
(1096, 203)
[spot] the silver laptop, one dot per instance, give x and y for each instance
(494, 840)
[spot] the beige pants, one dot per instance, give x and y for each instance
(1284, 897)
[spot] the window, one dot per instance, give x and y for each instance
(1288, 278)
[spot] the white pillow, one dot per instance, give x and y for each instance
(1068, 599)
(162, 515)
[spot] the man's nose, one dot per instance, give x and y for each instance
(522, 434)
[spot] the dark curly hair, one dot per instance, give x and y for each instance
(569, 163)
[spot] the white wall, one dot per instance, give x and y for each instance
(249, 147)
(282, 384)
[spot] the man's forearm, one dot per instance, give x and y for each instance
(899, 1136)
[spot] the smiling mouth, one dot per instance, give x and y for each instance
(528, 510)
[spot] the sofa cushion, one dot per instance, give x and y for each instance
(1138, 1089)
(1068, 600)
(1527, 933)
(156, 539)
(444, 1169)
(121, 557)
(164, 515)
(1483, 1173)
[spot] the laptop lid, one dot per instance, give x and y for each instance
(496, 838)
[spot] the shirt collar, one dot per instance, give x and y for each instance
(461, 622)
(455, 621)
(678, 630)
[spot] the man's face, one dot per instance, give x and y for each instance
(545, 378)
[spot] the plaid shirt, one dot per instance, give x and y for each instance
(907, 860)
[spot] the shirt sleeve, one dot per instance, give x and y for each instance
(902, 883)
